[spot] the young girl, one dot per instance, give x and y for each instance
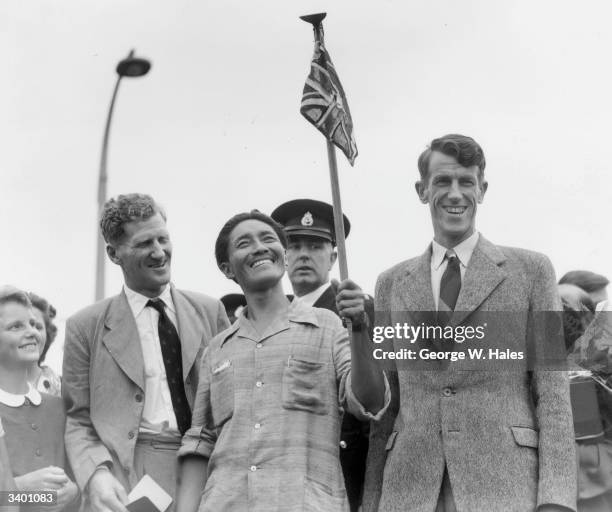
(33, 422)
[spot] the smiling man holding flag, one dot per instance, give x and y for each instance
(272, 387)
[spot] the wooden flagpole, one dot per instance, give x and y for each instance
(316, 20)
(338, 217)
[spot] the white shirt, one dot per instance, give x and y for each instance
(438, 263)
(158, 413)
(310, 298)
(13, 400)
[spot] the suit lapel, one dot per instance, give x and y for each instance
(191, 338)
(122, 339)
(417, 282)
(482, 276)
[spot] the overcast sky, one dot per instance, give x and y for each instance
(215, 128)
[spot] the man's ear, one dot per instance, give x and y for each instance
(112, 254)
(482, 189)
(421, 191)
(332, 258)
(227, 271)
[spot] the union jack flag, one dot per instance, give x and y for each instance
(324, 103)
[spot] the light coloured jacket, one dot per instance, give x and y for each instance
(103, 377)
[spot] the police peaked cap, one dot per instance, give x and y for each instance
(308, 217)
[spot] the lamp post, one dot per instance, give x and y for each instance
(130, 67)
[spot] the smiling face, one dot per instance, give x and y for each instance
(453, 193)
(144, 253)
(19, 338)
(256, 257)
(309, 258)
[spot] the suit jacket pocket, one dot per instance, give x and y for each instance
(525, 436)
(222, 393)
(305, 386)
(321, 498)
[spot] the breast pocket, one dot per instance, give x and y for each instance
(222, 393)
(525, 436)
(306, 386)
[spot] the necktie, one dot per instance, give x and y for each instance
(450, 284)
(171, 354)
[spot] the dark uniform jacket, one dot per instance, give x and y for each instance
(354, 434)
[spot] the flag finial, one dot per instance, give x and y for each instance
(314, 19)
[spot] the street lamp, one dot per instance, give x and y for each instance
(130, 67)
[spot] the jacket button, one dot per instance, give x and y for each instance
(448, 392)
(34, 426)
(138, 397)
(38, 452)
(131, 434)
(343, 444)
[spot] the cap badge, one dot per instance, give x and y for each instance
(307, 219)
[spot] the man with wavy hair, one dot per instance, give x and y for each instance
(475, 440)
(131, 362)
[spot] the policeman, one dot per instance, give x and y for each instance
(311, 254)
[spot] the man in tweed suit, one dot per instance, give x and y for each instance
(470, 441)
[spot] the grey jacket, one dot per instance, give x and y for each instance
(506, 437)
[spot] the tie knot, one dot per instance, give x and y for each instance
(156, 304)
(451, 256)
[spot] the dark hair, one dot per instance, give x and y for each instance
(222, 243)
(126, 208)
(464, 149)
(49, 313)
(588, 281)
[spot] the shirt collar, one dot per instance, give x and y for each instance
(297, 313)
(138, 302)
(13, 400)
(463, 251)
(310, 298)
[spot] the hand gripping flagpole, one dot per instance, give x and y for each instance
(316, 21)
